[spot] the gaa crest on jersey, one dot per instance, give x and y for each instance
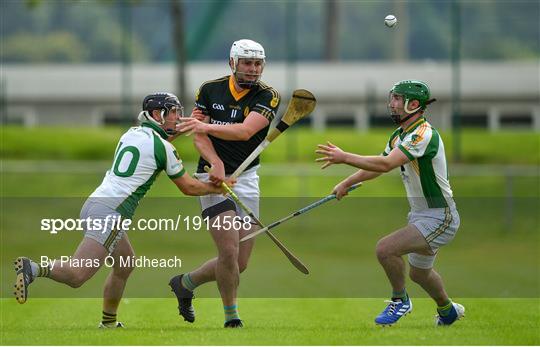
(416, 139)
(246, 111)
(217, 106)
(274, 102)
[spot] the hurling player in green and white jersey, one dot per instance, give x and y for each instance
(418, 150)
(140, 156)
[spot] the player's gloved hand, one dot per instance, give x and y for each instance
(332, 154)
(341, 190)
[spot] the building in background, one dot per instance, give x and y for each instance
(89, 63)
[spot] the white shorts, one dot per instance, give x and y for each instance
(246, 188)
(103, 226)
(438, 226)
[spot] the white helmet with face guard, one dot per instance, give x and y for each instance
(245, 49)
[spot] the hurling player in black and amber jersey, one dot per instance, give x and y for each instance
(231, 118)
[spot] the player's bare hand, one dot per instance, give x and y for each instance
(192, 126)
(332, 154)
(217, 174)
(230, 181)
(198, 114)
(340, 190)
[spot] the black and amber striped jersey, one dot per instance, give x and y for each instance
(224, 105)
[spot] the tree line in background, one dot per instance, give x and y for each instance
(59, 31)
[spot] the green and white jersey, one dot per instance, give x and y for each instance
(426, 176)
(141, 154)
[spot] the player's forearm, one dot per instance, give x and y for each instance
(230, 132)
(361, 176)
(191, 186)
(370, 163)
(198, 188)
(206, 149)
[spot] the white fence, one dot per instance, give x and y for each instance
(93, 94)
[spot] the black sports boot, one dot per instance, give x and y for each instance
(234, 323)
(184, 296)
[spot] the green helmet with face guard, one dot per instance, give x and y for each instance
(413, 90)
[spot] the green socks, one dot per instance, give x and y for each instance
(402, 295)
(444, 310)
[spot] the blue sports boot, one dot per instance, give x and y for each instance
(394, 311)
(456, 312)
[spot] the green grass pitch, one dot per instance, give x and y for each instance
(492, 267)
(512, 146)
(268, 322)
